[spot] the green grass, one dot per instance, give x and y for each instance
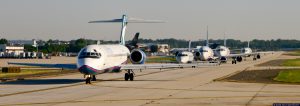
(161, 59)
(294, 53)
(26, 72)
(291, 62)
(292, 76)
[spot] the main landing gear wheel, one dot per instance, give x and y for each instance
(88, 79)
(129, 75)
(94, 78)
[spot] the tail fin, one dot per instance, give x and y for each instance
(225, 39)
(124, 20)
(248, 44)
(190, 43)
(135, 39)
(207, 42)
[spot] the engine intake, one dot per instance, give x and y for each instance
(223, 59)
(239, 59)
(197, 56)
(137, 56)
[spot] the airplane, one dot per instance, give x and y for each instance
(223, 53)
(202, 53)
(98, 59)
(185, 56)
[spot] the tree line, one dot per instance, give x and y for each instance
(75, 45)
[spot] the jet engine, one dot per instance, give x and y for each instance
(223, 59)
(197, 55)
(137, 56)
(258, 56)
(239, 59)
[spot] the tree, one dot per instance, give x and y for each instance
(3, 41)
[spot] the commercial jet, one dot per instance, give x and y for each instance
(97, 59)
(185, 56)
(202, 53)
(223, 53)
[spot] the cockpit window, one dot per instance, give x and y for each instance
(182, 54)
(84, 54)
(221, 50)
(201, 50)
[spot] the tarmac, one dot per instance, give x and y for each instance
(172, 87)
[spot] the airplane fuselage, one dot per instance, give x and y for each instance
(222, 51)
(206, 53)
(96, 59)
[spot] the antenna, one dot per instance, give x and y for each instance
(125, 20)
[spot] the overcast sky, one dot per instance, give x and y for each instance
(186, 19)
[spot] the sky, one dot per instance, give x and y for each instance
(185, 19)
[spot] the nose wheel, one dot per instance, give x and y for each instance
(129, 75)
(94, 78)
(88, 79)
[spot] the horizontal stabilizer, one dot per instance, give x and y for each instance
(130, 20)
(104, 21)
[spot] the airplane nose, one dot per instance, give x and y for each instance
(85, 69)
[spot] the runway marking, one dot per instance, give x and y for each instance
(256, 94)
(150, 99)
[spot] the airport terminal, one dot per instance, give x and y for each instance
(187, 53)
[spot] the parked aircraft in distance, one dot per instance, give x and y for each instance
(185, 56)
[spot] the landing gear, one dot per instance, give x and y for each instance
(94, 78)
(129, 75)
(233, 61)
(88, 79)
(254, 58)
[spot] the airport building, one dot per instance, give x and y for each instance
(11, 50)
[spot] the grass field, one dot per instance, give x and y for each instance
(27, 73)
(158, 59)
(293, 53)
(292, 76)
(291, 62)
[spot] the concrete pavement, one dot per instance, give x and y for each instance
(190, 86)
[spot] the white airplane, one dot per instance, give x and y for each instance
(205, 53)
(97, 59)
(185, 56)
(223, 53)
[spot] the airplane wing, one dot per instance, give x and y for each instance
(237, 55)
(65, 66)
(165, 66)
